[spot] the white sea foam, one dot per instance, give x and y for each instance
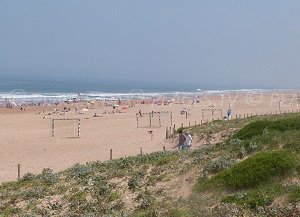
(134, 94)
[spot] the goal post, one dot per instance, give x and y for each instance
(76, 126)
(212, 111)
(154, 119)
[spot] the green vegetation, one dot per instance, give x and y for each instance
(252, 171)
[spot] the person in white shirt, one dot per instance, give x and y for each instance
(188, 140)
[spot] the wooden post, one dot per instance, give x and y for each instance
(181, 125)
(78, 132)
(201, 122)
(170, 135)
(159, 120)
(189, 124)
(195, 123)
(52, 127)
(171, 118)
(141, 151)
(164, 149)
(167, 133)
(110, 154)
(137, 122)
(19, 171)
(150, 120)
(174, 130)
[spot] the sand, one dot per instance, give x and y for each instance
(26, 135)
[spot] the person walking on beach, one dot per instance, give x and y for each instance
(181, 141)
(229, 114)
(188, 140)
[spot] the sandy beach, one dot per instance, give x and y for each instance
(26, 135)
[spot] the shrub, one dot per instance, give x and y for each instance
(177, 213)
(34, 192)
(258, 169)
(293, 146)
(28, 177)
(135, 181)
(261, 127)
(48, 177)
(80, 172)
(295, 194)
(252, 129)
(167, 159)
(251, 200)
(220, 164)
(253, 171)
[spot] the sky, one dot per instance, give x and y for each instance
(220, 44)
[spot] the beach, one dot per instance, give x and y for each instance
(26, 135)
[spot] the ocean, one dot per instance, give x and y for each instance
(35, 91)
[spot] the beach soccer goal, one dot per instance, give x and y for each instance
(154, 119)
(65, 127)
(212, 113)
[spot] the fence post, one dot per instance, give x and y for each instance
(174, 130)
(159, 120)
(110, 154)
(52, 127)
(19, 171)
(164, 149)
(167, 133)
(78, 133)
(141, 151)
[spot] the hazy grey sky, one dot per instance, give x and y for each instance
(221, 43)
